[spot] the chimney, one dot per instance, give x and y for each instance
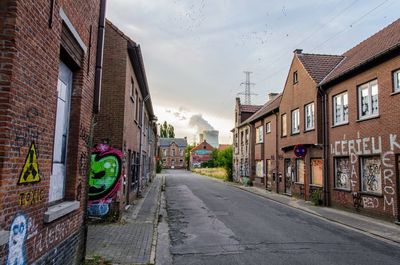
(298, 51)
(271, 96)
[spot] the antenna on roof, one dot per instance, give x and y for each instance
(247, 90)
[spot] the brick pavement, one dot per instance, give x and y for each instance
(129, 241)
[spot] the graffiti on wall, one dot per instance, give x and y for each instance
(377, 169)
(104, 178)
(16, 241)
(21, 134)
(30, 171)
(30, 197)
(342, 173)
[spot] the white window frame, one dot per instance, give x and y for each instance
(369, 87)
(295, 121)
(309, 111)
(259, 134)
(396, 81)
(268, 127)
(343, 108)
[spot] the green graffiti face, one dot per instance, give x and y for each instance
(104, 175)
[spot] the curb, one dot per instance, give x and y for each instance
(155, 224)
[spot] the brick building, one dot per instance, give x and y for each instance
(264, 123)
(300, 124)
(126, 122)
(48, 93)
(242, 161)
(173, 152)
(363, 130)
(200, 154)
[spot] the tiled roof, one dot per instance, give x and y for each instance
(223, 146)
(319, 65)
(202, 145)
(165, 142)
(250, 108)
(267, 108)
(378, 44)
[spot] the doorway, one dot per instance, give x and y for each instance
(288, 176)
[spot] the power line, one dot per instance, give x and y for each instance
(247, 90)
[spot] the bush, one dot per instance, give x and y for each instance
(158, 167)
(316, 197)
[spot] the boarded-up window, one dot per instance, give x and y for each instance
(317, 172)
(300, 170)
(268, 172)
(342, 173)
(259, 168)
(284, 125)
(371, 174)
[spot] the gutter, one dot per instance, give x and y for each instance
(99, 57)
(325, 141)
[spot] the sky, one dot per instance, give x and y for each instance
(195, 51)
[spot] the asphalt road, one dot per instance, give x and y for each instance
(213, 223)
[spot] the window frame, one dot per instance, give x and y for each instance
(312, 172)
(335, 173)
(361, 159)
(284, 125)
(334, 120)
(297, 170)
(298, 121)
(312, 105)
(260, 134)
(359, 89)
(295, 77)
(268, 127)
(396, 77)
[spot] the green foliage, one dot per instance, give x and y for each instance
(223, 159)
(158, 166)
(187, 154)
(316, 197)
(167, 130)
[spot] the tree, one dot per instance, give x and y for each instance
(221, 158)
(187, 155)
(167, 130)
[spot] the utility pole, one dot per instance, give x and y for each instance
(247, 90)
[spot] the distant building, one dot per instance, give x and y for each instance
(223, 146)
(200, 154)
(172, 151)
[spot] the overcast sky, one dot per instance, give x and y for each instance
(195, 51)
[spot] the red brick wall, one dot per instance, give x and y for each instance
(28, 106)
(386, 204)
(169, 157)
(270, 146)
(297, 96)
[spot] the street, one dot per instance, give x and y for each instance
(214, 223)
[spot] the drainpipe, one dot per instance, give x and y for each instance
(96, 108)
(141, 169)
(325, 145)
(276, 153)
(99, 57)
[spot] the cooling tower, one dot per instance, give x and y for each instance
(211, 136)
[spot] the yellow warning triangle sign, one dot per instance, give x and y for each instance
(30, 172)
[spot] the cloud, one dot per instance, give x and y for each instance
(199, 123)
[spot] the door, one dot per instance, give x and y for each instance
(288, 176)
(57, 178)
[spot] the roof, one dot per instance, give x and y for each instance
(319, 66)
(180, 142)
(202, 145)
(250, 108)
(223, 146)
(379, 44)
(266, 109)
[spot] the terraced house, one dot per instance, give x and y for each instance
(50, 83)
(338, 135)
(172, 152)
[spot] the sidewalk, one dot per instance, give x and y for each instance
(375, 227)
(133, 239)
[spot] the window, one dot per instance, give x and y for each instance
(165, 152)
(268, 173)
(371, 174)
(173, 152)
(284, 125)
(340, 109)
(309, 116)
(295, 77)
(295, 121)
(342, 173)
(316, 172)
(137, 106)
(268, 127)
(396, 81)
(259, 168)
(300, 170)
(368, 99)
(132, 91)
(259, 134)
(58, 176)
(247, 135)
